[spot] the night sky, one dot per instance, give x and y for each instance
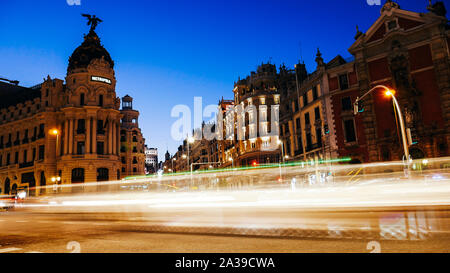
(167, 52)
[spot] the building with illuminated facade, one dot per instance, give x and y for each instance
(66, 131)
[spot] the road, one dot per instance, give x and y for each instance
(23, 232)
(253, 211)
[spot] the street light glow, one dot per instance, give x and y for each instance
(54, 132)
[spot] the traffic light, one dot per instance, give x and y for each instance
(358, 107)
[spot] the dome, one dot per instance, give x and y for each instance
(89, 50)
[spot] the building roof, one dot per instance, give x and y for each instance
(11, 95)
(89, 50)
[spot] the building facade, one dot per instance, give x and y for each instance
(151, 160)
(256, 132)
(408, 52)
(132, 142)
(62, 132)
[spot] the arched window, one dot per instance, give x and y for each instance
(78, 175)
(14, 189)
(7, 186)
(82, 99)
(102, 174)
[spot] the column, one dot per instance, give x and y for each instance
(66, 136)
(110, 137)
(118, 137)
(88, 135)
(114, 138)
(94, 135)
(71, 136)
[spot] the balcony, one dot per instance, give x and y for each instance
(26, 165)
(25, 140)
(33, 139)
(81, 131)
(101, 132)
(8, 145)
(41, 135)
(16, 143)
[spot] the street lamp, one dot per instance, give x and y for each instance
(230, 159)
(390, 93)
(190, 140)
(173, 159)
(282, 151)
(55, 132)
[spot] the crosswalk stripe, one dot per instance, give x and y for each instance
(10, 249)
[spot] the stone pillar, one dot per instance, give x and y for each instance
(114, 138)
(66, 136)
(118, 137)
(110, 137)
(71, 136)
(88, 135)
(94, 135)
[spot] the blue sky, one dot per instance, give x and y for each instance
(167, 52)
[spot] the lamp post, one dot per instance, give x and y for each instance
(190, 140)
(55, 132)
(280, 142)
(390, 93)
(173, 159)
(232, 161)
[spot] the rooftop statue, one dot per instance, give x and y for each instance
(92, 21)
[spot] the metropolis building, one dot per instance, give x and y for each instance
(69, 132)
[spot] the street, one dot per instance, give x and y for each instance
(22, 233)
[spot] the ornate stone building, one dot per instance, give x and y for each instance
(409, 52)
(65, 132)
(132, 143)
(258, 96)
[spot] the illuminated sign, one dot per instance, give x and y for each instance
(100, 79)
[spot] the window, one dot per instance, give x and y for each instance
(80, 148)
(349, 129)
(305, 99)
(8, 159)
(315, 93)
(100, 100)
(307, 121)
(346, 104)
(41, 152)
(319, 137)
(343, 81)
(134, 170)
(100, 130)
(102, 174)
(34, 154)
(317, 113)
(295, 106)
(25, 156)
(81, 126)
(82, 99)
(134, 160)
(78, 175)
(41, 131)
(297, 124)
(100, 148)
(308, 140)
(16, 158)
